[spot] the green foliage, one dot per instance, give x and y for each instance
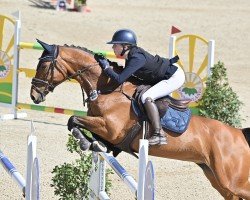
(81, 2)
(70, 180)
(108, 183)
(219, 101)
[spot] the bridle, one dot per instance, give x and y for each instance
(49, 85)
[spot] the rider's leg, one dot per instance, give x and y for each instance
(161, 89)
(165, 87)
(153, 115)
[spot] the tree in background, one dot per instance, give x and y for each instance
(219, 101)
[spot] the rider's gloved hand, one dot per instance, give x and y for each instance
(103, 62)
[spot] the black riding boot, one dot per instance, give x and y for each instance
(153, 115)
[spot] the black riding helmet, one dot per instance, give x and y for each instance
(124, 36)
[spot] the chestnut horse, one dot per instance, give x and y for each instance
(220, 150)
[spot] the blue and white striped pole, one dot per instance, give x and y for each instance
(121, 172)
(12, 171)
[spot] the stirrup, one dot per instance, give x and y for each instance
(157, 139)
(163, 140)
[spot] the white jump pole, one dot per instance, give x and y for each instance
(97, 179)
(14, 99)
(32, 184)
(143, 160)
(16, 66)
(171, 46)
(211, 47)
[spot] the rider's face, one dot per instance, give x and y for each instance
(117, 49)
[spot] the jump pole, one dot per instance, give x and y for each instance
(12, 171)
(30, 188)
(145, 171)
(143, 160)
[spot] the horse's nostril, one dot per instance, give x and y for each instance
(32, 97)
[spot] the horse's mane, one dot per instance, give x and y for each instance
(81, 48)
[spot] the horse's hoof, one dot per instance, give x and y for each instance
(71, 123)
(98, 146)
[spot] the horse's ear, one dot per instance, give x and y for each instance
(46, 47)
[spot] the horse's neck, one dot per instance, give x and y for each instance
(78, 61)
(93, 78)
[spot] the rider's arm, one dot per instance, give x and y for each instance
(132, 65)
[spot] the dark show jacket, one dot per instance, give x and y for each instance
(148, 69)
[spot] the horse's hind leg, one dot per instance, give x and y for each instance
(210, 176)
(232, 172)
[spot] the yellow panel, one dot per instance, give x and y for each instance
(3, 20)
(188, 36)
(10, 45)
(192, 42)
(180, 63)
(203, 65)
(192, 73)
(1, 30)
(30, 73)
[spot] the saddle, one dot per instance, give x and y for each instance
(162, 104)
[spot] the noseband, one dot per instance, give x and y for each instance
(49, 85)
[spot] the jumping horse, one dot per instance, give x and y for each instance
(221, 151)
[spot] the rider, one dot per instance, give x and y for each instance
(162, 74)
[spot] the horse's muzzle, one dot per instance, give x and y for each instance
(36, 97)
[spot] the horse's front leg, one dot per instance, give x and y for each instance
(93, 124)
(96, 125)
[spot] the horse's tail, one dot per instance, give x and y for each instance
(246, 132)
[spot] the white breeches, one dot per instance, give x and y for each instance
(165, 87)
